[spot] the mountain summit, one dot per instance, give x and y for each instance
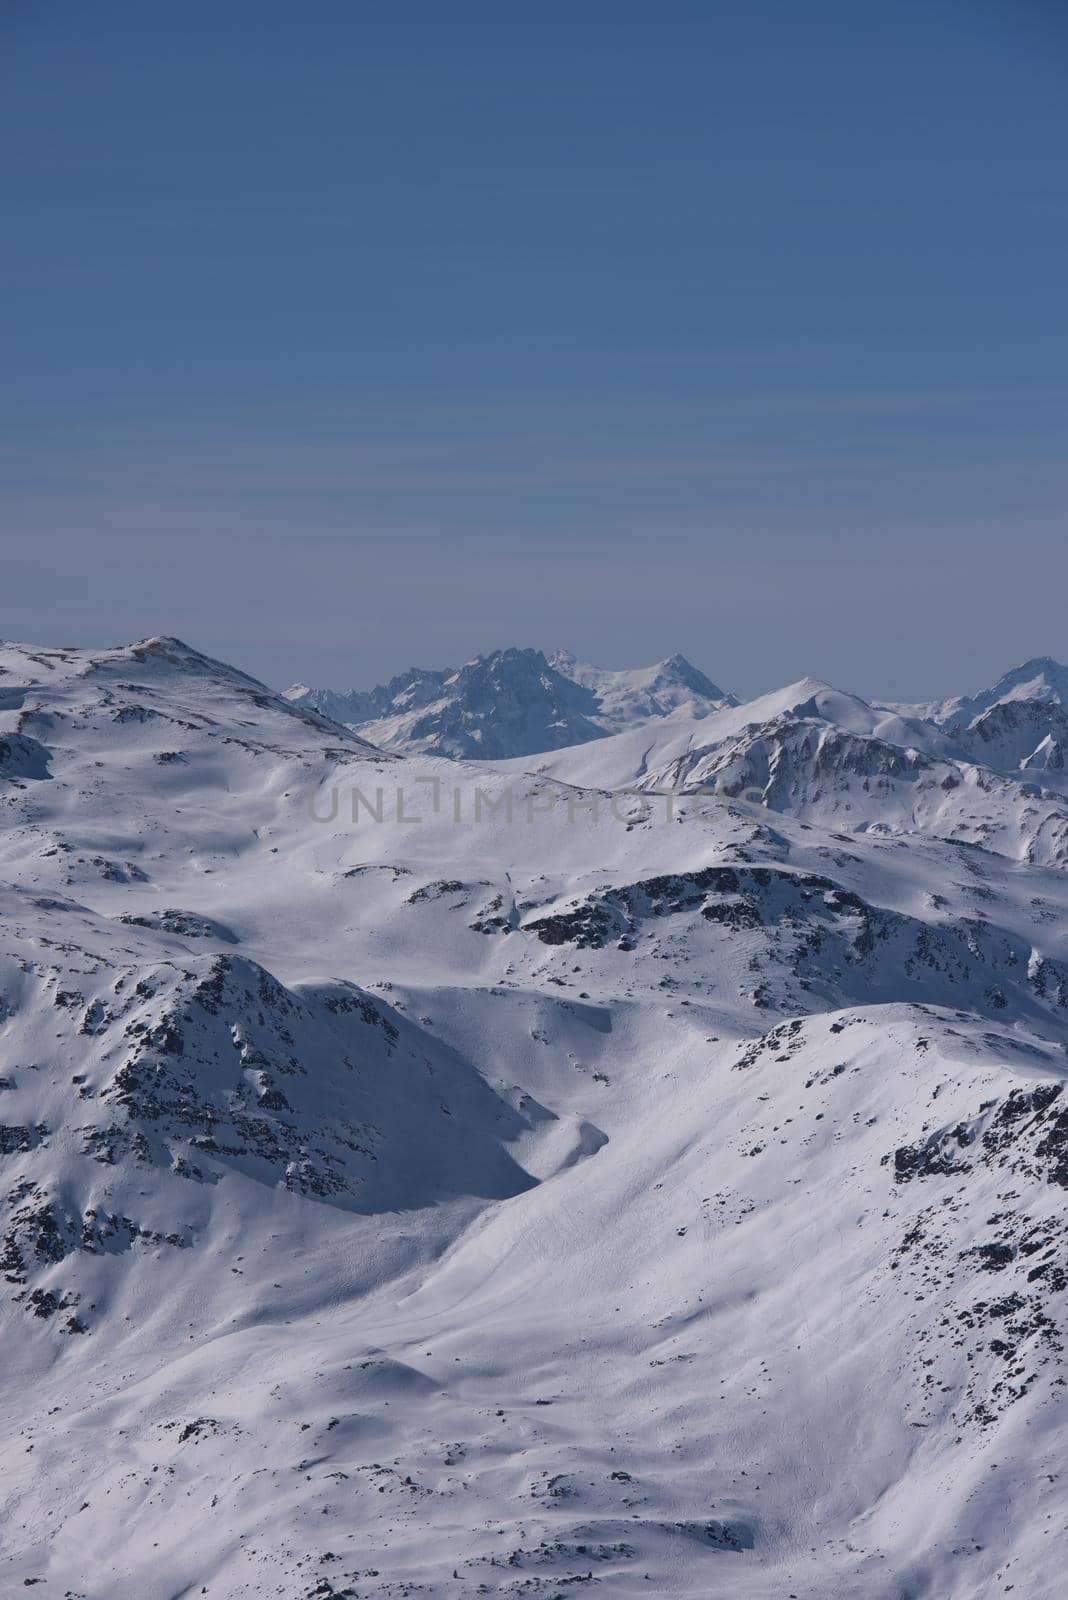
(1041, 679)
(629, 698)
(514, 702)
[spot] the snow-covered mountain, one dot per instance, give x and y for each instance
(514, 703)
(409, 691)
(423, 1177)
(631, 698)
(830, 758)
(1019, 724)
(1025, 735)
(1041, 679)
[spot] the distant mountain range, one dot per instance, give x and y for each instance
(514, 702)
(518, 702)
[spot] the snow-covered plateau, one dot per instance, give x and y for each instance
(431, 1177)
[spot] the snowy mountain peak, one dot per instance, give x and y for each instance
(510, 702)
(642, 692)
(678, 669)
(676, 672)
(1041, 679)
(159, 689)
(515, 702)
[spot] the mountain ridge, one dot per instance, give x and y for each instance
(513, 702)
(427, 709)
(436, 1199)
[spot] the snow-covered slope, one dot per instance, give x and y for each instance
(632, 698)
(1026, 735)
(1041, 679)
(408, 692)
(509, 1192)
(830, 758)
(514, 703)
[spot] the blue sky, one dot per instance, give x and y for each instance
(339, 337)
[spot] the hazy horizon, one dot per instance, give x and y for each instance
(745, 689)
(409, 334)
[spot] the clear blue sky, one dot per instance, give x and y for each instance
(340, 336)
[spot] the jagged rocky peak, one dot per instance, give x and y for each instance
(535, 704)
(515, 670)
(1028, 734)
(508, 703)
(408, 691)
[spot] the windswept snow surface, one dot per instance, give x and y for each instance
(663, 1197)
